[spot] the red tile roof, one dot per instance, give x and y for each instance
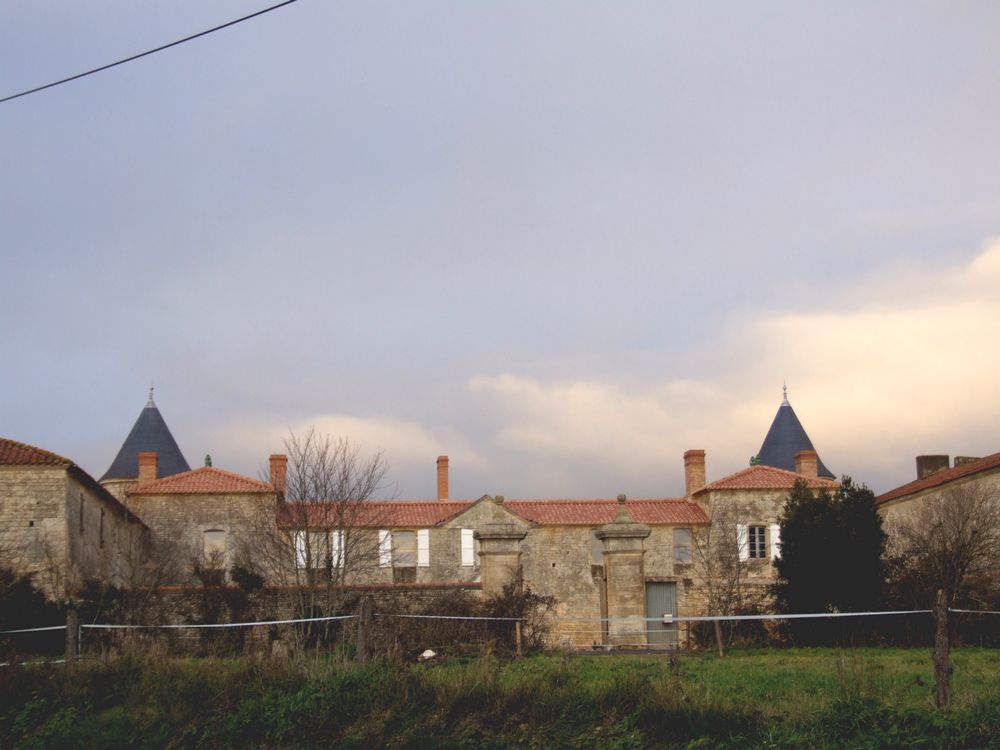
(372, 514)
(599, 512)
(941, 477)
(13, 453)
(426, 513)
(766, 478)
(206, 480)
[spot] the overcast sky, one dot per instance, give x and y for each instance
(561, 242)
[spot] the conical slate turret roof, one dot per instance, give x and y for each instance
(786, 438)
(150, 433)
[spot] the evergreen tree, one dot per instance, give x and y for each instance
(831, 557)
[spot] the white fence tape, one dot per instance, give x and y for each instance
(713, 618)
(692, 618)
(102, 626)
(723, 618)
(33, 630)
(450, 617)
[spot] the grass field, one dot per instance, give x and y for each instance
(864, 698)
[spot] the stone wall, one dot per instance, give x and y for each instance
(33, 520)
(178, 526)
(104, 544)
(63, 530)
(558, 561)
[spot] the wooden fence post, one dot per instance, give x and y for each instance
(364, 626)
(942, 663)
(517, 638)
(72, 636)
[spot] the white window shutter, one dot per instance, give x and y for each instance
(775, 541)
(742, 541)
(384, 548)
(423, 548)
(468, 548)
(337, 548)
(301, 558)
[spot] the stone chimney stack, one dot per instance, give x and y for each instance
(694, 471)
(960, 460)
(806, 464)
(147, 466)
(927, 465)
(278, 469)
(442, 477)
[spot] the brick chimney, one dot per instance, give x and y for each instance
(442, 477)
(694, 471)
(806, 464)
(278, 469)
(927, 465)
(147, 466)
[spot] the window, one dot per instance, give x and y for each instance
(101, 533)
(682, 546)
(752, 541)
(81, 512)
(314, 549)
(758, 543)
(215, 548)
(404, 549)
(468, 547)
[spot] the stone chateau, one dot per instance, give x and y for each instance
(610, 563)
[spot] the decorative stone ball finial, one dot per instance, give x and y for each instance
(623, 516)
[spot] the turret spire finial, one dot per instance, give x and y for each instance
(150, 402)
(784, 393)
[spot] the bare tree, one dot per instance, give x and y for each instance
(323, 534)
(949, 541)
(721, 564)
(943, 546)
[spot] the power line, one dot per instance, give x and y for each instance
(148, 52)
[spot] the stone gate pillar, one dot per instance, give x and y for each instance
(499, 555)
(625, 577)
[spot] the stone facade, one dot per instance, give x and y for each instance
(58, 525)
(186, 529)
